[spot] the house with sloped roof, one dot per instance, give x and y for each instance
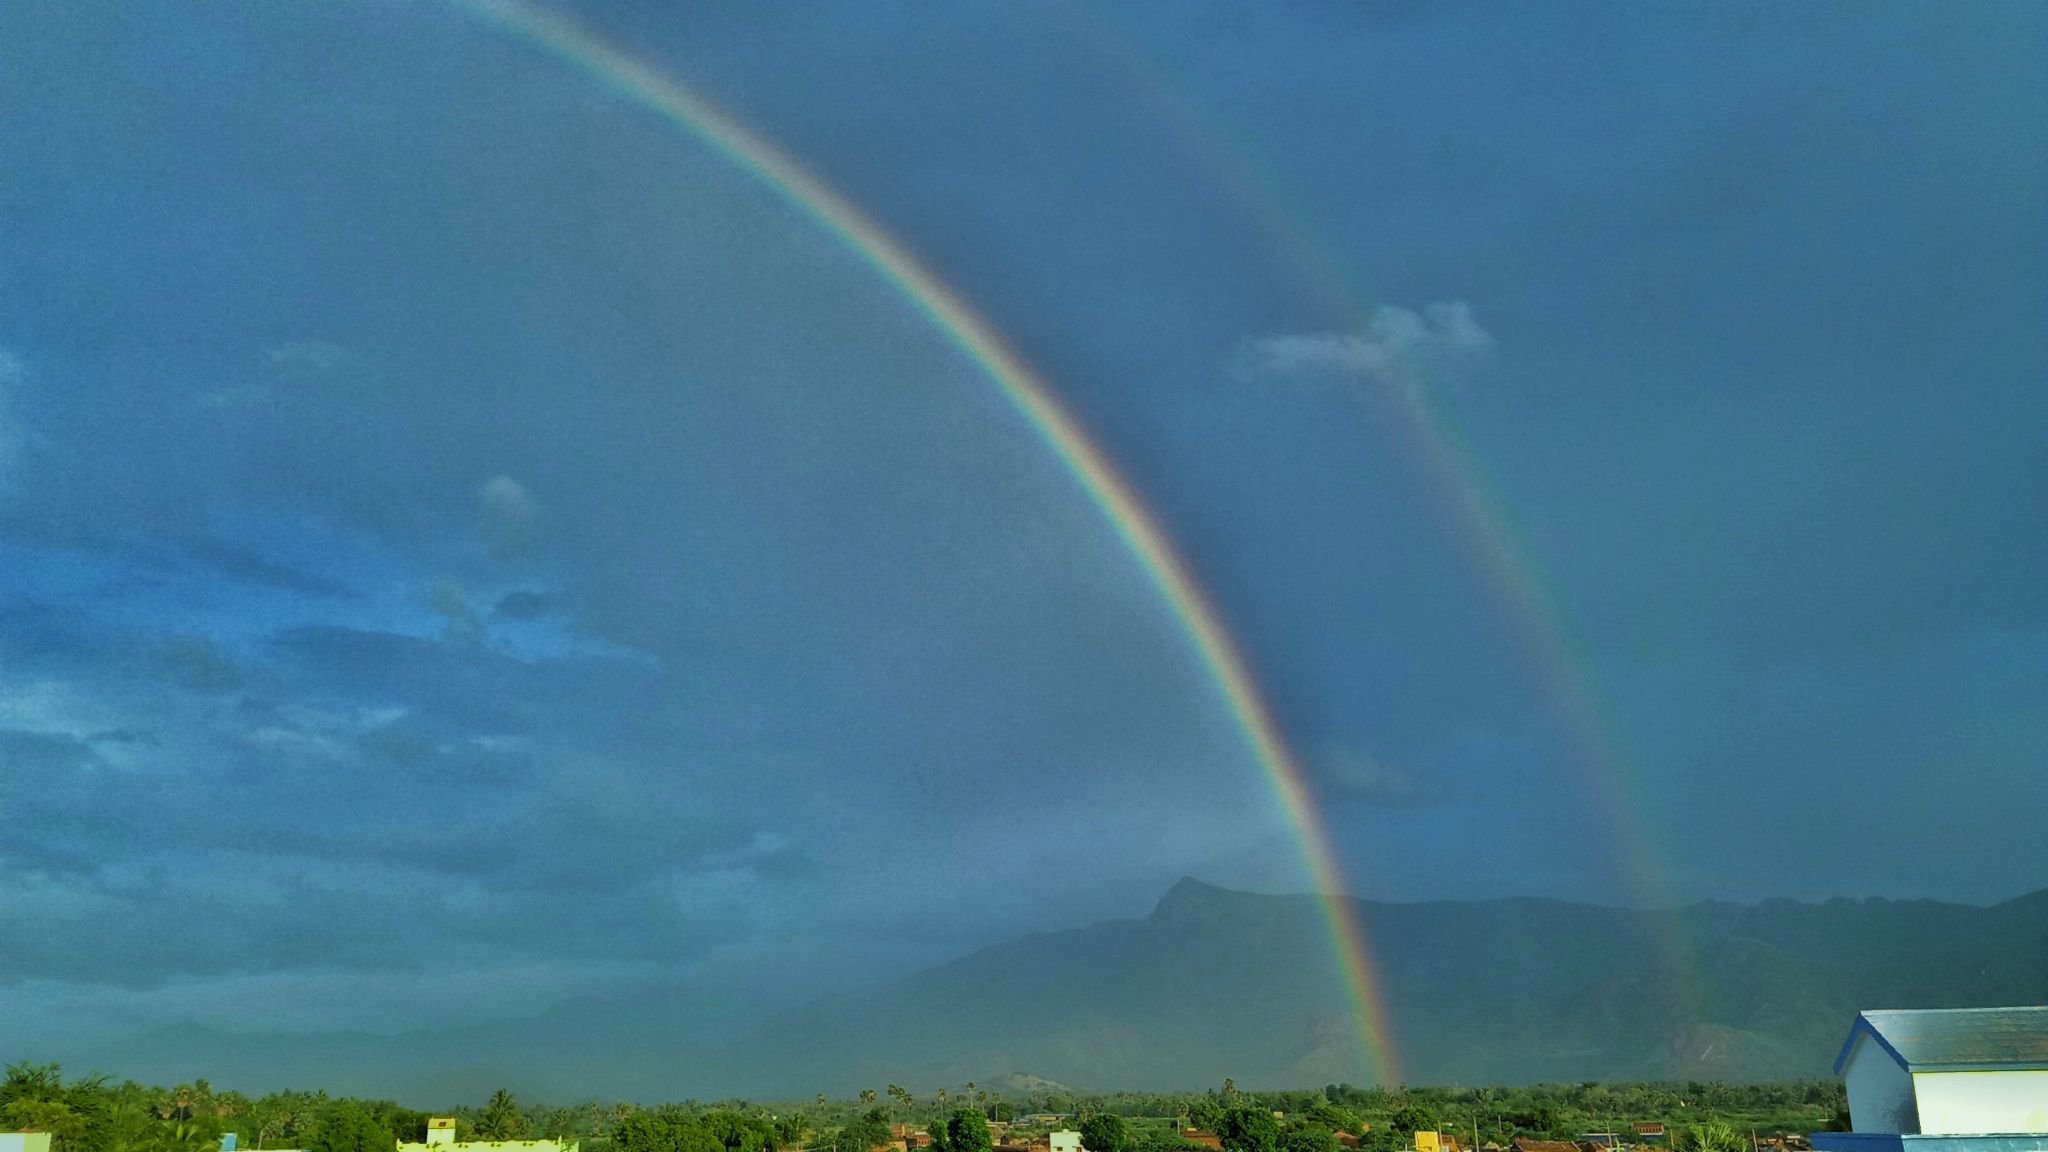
(1945, 1080)
(1535, 1144)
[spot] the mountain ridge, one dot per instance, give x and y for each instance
(1218, 982)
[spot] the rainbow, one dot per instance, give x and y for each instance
(1035, 402)
(1484, 523)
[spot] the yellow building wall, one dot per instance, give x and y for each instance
(24, 1142)
(2001, 1101)
(481, 1146)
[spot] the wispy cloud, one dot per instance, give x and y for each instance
(1442, 342)
(1352, 774)
(508, 515)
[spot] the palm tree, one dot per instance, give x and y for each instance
(867, 1095)
(177, 1103)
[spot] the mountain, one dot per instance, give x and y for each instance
(1218, 983)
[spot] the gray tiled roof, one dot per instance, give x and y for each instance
(1935, 1038)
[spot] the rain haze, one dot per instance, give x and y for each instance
(474, 538)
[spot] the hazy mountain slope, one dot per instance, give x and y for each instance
(1218, 983)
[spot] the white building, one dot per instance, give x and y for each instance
(1948, 1071)
(24, 1142)
(441, 1138)
(1064, 1140)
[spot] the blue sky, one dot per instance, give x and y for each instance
(463, 544)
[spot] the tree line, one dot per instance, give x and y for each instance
(94, 1114)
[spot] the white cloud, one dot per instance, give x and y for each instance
(1398, 346)
(451, 602)
(508, 514)
(302, 360)
(288, 367)
(1349, 772)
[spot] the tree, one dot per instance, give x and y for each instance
(967, 1131)
(343, 1126)
(1715, 1137)
(1249, 1128)
(869, 1131)
(1105, 1132)
(501, 1118)
(1412, 1117)
(1306, 1139)
(1334, 1118)
(65, 1126)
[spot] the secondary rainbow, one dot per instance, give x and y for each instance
(1482, 519)
(1035, 401)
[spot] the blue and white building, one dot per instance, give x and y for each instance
(1945, 1080)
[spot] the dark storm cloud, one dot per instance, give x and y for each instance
(527, 605)
(521, 537)
(244, 564)
(197, 663)
(43, 751)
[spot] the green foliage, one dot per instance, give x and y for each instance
(65, 1126)
(1205, 1112)
(1161, 1140)
(1248, 1127)
(676, 1129)
(1715, 1137)
(342, 1126)
(1332, 1117)
(870, 1130)
(501, 1119)
(1306, 1138)
(91, 1115)
(967, 1131)
(1105, 1132)
(1413, 1117)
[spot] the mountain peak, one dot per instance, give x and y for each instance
(1191, 899)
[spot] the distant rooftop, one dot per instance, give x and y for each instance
(1954, 1039)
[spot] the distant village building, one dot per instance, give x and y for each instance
(441, 1138)
(905, 1138)
(1648, 1129)
(1532, 1144)
(24, 1142)
(1945, 1080)
(1063, 1140)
